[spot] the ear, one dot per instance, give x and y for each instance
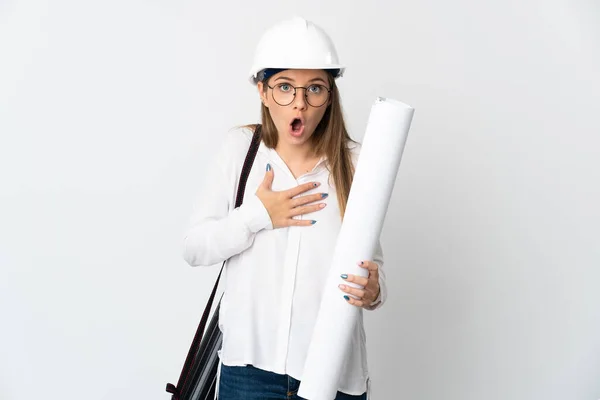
(261, 93)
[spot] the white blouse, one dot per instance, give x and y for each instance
(273, 279)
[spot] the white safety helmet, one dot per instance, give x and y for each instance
(295, 43)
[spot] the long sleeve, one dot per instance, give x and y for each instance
(378, 258)
(215, 233)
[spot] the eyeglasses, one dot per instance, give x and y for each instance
(316, 95)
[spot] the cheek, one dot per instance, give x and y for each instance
(319, 116)
(277, 115)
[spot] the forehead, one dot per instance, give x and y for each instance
(301, 75)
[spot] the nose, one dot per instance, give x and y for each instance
(300, 99)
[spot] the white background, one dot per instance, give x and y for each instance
(109, 112)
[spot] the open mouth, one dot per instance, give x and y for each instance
(297, 126)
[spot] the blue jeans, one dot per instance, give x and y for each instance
(251, 383)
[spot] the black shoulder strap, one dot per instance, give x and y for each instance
(247, 166)
(189, 361)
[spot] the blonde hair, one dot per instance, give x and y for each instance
(330, 139)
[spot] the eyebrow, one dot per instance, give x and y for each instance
(290, 79)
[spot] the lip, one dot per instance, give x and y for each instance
(301, 131)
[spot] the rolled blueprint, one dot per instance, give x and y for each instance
(375, 175)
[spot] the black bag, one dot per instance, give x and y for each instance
(198, 377)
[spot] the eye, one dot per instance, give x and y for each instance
(284, 87)
(316, 89)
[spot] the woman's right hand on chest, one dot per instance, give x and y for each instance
(284, 205)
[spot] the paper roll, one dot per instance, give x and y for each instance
(375, 175)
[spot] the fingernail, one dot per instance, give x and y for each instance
(344, 276)
(360, 263)
(347, 298)
(313, 222)
(315, 184)
(323, 195)
(268, 167)
(342, 287)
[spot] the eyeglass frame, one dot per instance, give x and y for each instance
(295, 91)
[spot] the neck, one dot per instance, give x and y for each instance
(295, 153)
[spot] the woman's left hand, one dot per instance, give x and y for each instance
(371, 289)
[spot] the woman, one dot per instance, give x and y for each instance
(279, 243)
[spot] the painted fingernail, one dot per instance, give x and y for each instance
(323, 195)
(344, 276)
(268, 167)
(313, 222)
(342, 287)
(315, 184)
(361, 263)
(347, 298)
